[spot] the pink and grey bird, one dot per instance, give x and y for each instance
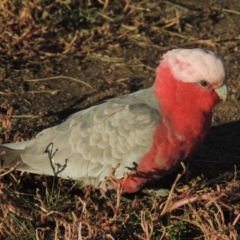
(143, 134)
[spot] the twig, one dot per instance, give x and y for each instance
(146, 225)
(51, 153)
(236, 220)
(84, 206)
(3, 93)
(10, 170)
(176, 34)
(163, 234)
(187, 200)
(230, 11)
(104, 3)
(80, 231)
(56, 230)
(122, 79)
(52, 92)
(177, 6)
(118, 187)
(40, 232)
(195, 223)
(214, 200)
(211, 42)
(58, 77)
(106, 17)
(172, 189)
(25, 116)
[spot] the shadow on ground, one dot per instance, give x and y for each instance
(218, 155)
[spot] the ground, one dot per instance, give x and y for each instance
(55, 61)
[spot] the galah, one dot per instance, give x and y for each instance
(142, 135)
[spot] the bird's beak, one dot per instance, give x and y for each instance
(222, 92)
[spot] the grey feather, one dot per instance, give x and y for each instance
(93, 141)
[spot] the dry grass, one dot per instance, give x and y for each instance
(39, 207)
(46, 208)
(45, 28)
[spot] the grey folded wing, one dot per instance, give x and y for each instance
(91, 142)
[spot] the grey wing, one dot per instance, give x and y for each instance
(93, 141)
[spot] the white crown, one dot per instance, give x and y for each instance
(193, 65)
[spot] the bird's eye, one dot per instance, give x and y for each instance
(204, 84)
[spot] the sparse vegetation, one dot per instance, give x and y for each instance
(40, 207)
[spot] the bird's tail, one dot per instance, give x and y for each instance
(10, 155)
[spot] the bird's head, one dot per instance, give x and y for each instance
(190, 78)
